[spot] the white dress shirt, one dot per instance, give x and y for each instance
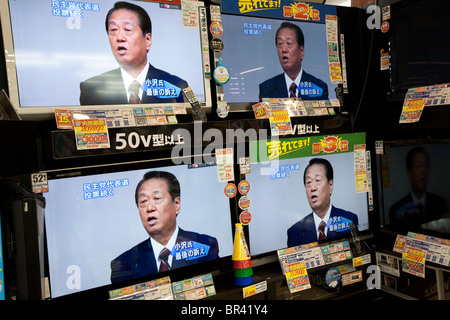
(297, 81)
(317, 221)
(158, 247)
(128, 79)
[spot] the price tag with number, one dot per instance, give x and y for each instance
(63, 119)
(39, 182)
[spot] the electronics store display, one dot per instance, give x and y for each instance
(224, 150)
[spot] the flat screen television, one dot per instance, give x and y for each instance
(279, 201)
(91, 219)
(250, 50)
(419, 51)
(45, 72)
(414, 195)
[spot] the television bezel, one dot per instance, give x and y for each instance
(270, 256)
(240, 107)
(396, 88)
(48, 112)
(403, 141)
(222, 265)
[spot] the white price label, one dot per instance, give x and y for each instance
(39, 182)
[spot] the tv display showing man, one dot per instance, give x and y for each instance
(129, 30)
(169, 247)
(418, 206)
(294, 81)
(325, 221)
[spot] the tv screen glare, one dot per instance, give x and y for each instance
(92, 220)
(279, 200)
(45, 72)
(250, 54)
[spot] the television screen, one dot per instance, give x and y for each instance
(99, 234)
(76, 61)
(287, 195)
(413, 182)
(253, 55)
(421, 65)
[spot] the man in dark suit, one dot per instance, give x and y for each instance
(326, 221)
(294, 82)
(129, 31)
(418, 206)
(169, 247)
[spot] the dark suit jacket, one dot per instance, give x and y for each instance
(305, 230)
(276, 87)
(140, 260)
(404, 214)
(108, 89)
